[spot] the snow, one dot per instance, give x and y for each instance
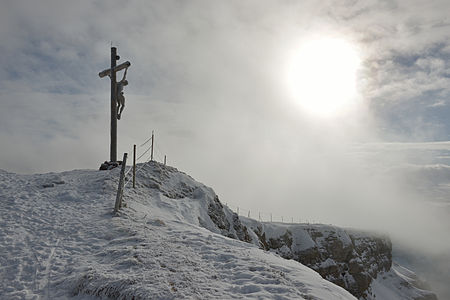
(398, 283)
(60, 240)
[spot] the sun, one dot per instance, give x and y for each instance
(322, 76)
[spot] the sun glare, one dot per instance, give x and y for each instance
(322, 76)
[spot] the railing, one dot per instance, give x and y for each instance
(124, 180)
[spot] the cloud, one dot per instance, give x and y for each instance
(405, 44)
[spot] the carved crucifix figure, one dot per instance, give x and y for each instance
(119, 95)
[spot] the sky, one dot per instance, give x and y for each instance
(210, 78)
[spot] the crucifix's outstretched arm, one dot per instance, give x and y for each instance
(125, 74)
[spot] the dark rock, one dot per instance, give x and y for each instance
(357, 263)
(350, 260)
(217, 214)
(262, 238)
(241, 230)
(285, 239)
(108, 165)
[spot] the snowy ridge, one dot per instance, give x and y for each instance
(59, 240)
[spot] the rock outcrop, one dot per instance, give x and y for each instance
(347, 258)
(233, 229)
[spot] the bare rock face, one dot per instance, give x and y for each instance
(217, 215)
(233, 229)
(347, 258)
(109, 165)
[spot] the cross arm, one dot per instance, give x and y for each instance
(116, 69)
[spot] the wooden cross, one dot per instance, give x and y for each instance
(111, 72)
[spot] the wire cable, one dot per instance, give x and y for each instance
(143, 153)
(146, 141)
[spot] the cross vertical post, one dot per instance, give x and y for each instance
(113, 145)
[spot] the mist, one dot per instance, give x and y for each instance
(209, 78)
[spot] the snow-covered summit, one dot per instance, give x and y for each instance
(173, 239)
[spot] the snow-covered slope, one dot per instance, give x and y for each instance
(60, 240)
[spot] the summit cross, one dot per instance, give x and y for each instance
(117, 97)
